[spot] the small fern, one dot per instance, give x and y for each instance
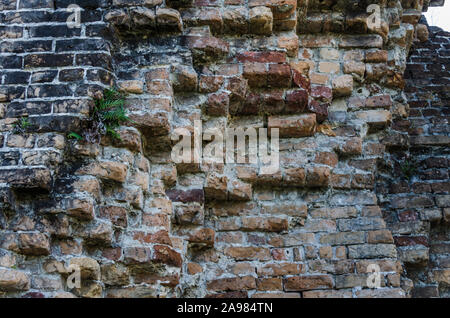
(21, 126)
(408, 169)
(73, 135)
(113, 133)
(108, 114)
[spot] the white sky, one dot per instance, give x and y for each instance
(439, 16)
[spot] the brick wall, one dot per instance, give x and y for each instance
(417, 203)
(140, 225)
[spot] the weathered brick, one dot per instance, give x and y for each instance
(271, 224)
(235, 20)
(280, 269)
(294, 210)
(189, 214)
(80, 208)
(279, 75)
(248, 253)
(342, 85)
(202, 236)
(136, 255)
(351, 281)
(273, 235)
(166, 255)
(117, 214)
(372, 251)
(48, 60)
(260, 20)
(361, 224)
(218, 104)
(34, 244)
(307, 282)
(376, 56)
(294, 126)
(296, 101)
(417, 255)
(334, 213)
(327, 294)
(381, 293)
(210, 83)
(111, 170)
(27, 177)
(343, 238)
(13, 280)
(89, 267)
(256, 74)
(115, 275)
(268, 284)
(206, 48)
(379, 236)
(361, 41)
(232, 284)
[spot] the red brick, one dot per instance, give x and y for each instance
(322, 93)
(320, 109)
(273, 102)
(248, 253)
(155, 220)
(308, 282)
(160, 237)
(136, 255)
(376, 56)
(280, 269)
(194, 268)
(194, 195)
(318, 176)
(261, 57)
(269, 284)
(407, 216)
(251, 104)
(301, 80)
(269, 224)
(232, 284)
(205, 236)
(411, 240)
(166, 255)
(218, 104)
(294, 126)
(207, 47)
(353, 146)
(326, 158)
(279, 75)
(383, 101)
(295, 176)
(256, 74)
(210, 83)
(117, 214)
(296, 101)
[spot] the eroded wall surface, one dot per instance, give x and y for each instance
(416, 208)
(139, 225)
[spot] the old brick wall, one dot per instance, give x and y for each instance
(417, 207)
(140, 225)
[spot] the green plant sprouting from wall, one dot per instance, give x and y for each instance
(107, 115)
(408, 169)
(21, 126)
